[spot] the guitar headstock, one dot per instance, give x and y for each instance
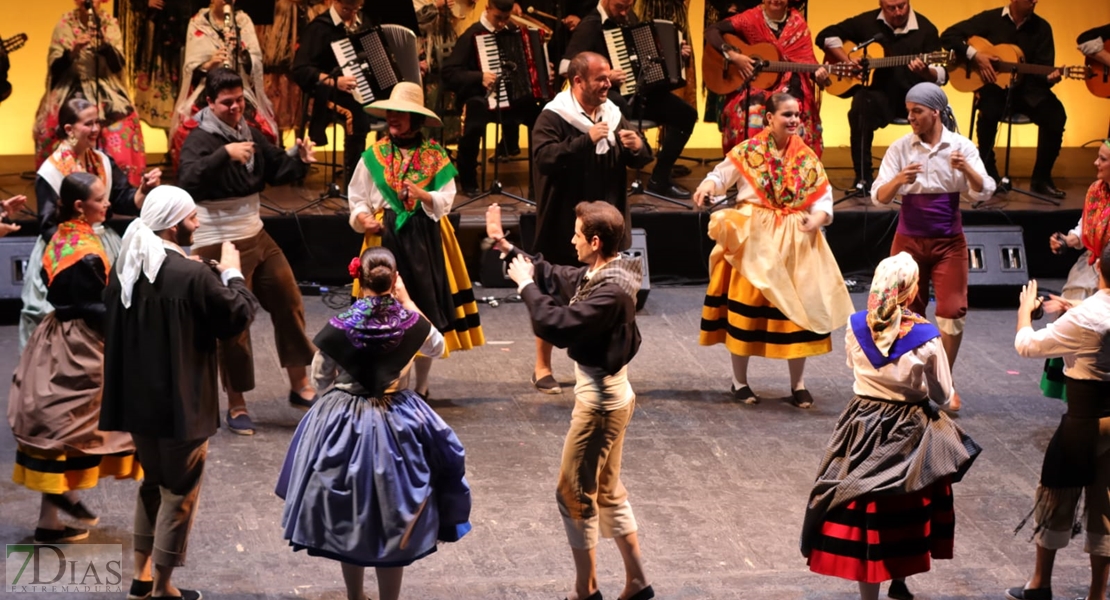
(1078, 72)
(15, 42)
(940, 57)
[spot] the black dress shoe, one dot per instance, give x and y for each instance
(644, 594)
(1047, 188)
(594, 596)
(670, 190)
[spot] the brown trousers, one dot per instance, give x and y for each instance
(271, 279)
(943, 261)
(591, 497)
(167, 496)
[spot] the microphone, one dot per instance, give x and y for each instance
(879, 37)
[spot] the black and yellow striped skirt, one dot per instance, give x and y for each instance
(59, 472)
(738, 315)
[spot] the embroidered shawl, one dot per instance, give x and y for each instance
(1096, 219)
(427, 166)
(74, 240)
(788, 182)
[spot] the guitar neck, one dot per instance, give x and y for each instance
(774, 66)
(1023, 68)
(893, 61)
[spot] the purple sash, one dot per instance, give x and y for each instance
(921, 333)
(931, 215)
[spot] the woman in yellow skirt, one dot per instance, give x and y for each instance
(399, 195)
(54, 402)
(775, 289)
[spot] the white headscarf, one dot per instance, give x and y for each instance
(143, 251)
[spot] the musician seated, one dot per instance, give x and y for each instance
(903, 31)
(317, 72)
(562, 16)
(463, 74)
(660, 105)
(1032, 96)
(1092, 43)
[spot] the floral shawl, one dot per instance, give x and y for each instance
(74, 240)
(1096, 219)
(427, 166)
(788, 182)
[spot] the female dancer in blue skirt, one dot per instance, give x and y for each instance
(373, 476)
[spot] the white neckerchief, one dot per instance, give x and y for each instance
(338, 20)
(566, 106)
(771, 23)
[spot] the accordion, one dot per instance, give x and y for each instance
(655, 48)
(519, 57)
(369, 57)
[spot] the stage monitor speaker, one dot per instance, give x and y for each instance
(639, 250)
(14, 254)
(995, 256)
(493, 273)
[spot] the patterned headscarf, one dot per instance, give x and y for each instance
(375, 322)
(893, 286)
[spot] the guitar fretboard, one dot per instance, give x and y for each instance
(1023, 68)
(774, 66)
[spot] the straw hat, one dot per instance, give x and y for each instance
(405, 97)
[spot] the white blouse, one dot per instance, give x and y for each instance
(920, 374)
(364, 197)
(1081, 337)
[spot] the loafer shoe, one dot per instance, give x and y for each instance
(59, 536)
(77, 510)
(1020, 593)
(669, 189)
(140, 590)
(899, 591)
(240, 424)
(547, 384)
(299, 403)
(1047, 188)
(744, 394)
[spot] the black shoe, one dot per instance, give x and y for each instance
(469, 188)
(185, 595)
(299, 403)
(801, 398)
(898, 590)
(1020, 593)
(669, 189)
(547, 384)
(745, 395)
(77, 510)
(59, 536)
(680, 171)
(594, 596)
(140, 590)
(1047, 188)
(644, 594)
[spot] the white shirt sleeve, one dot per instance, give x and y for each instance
(434, 344)
(941, 73)
(442, 200)
(834, 42)
(1064, 337)
(1078, 229)
(824, 203)
(723, 176)
(362, 196)
(938, 375)
(888, 169)
(971, 155)
(324, 371)
(1092, 47)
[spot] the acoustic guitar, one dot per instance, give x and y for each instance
(7, 46)
(1098, 78)
(722, 77)
(965, 76)
(845, 85)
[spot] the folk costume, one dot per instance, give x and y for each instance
(1076, 463)
(164, 315)
(792, 39)
(97, 73)
(421, 237)
(206, 37)
(373, 476)
(1093, 231)
(774, 290)
(154, 39)
(569, 168)
(48, 184)
(55, 398)
(881, 507)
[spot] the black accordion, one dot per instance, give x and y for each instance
(369, 57)
(655, 47)
(519, 57)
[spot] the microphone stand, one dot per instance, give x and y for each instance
(864, 157)
(495, 188)
(1006, 181)
(331, 189)
(639, 99)
(94, 20)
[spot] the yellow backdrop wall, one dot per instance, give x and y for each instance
(1087, 116)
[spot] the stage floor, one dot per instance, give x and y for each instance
(719, 488)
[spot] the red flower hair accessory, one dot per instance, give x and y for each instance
(355, 267)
